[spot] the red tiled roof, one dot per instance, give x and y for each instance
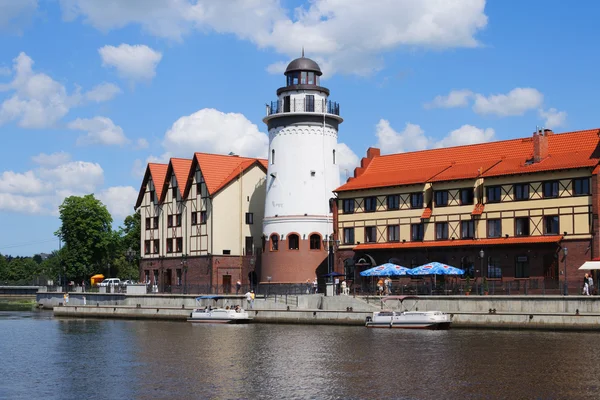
(157, 173)
(460, 242)
(181, 168)
(565, 151)
(219, 170)
(478, 210)
(426, 213)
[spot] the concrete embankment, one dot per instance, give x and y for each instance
(493, 312)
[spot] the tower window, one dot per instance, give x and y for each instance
(315, 242)
(293, 242)
(334, 157)
(272, 156)
(303, 77)
(310, 103)
(311, 78)
(274, 242)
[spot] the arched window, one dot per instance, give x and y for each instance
(272, 156)
(333, 157)
(293, 242)
(274, 242)
(315, 241)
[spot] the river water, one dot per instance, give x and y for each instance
(48, 358)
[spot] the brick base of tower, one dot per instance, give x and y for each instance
(286, 266)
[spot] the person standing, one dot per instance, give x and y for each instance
(238, 286)
(389, 285)
(252, 299)
(315, 285)
(586, 287)
(380, 286)
(249, 299)
(590, 284)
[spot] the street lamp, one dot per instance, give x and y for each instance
(329, 242)
(130, 254)
(185, 268)
(481, 255)
(566, 289)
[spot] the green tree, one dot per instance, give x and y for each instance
(87, 236)
(3, 269)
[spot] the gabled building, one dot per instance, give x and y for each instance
(522, 209)
(201, 222)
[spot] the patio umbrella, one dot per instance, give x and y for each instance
(387, 269)
(436, 268)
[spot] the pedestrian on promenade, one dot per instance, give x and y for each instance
(590, 284)
(238, 286)
(315, 285)
(252, 299)
(586, 286)
(380, 286)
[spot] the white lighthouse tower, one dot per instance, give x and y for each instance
(302, 174)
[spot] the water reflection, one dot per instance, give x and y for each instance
(97, 359)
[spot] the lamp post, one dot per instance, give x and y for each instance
(481, 255)
(566, 289)
(130, 255)
(329, 242)
(185, 268)
(269, 285)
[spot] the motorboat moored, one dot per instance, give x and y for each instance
(408, 319)
(229, 315)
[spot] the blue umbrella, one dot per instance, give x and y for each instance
(387, 269)
(436, 268)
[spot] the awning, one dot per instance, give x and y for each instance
(460, 243)
(590, 265)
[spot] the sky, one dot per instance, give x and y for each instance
(93, 90)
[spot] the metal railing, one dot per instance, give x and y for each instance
(304, 105)
(493, 287)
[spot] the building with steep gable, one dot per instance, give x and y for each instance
(198, 229)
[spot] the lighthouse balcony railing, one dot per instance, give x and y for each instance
(303, 105)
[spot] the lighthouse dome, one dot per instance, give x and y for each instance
(303, 64)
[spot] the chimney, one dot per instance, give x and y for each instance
(540, 144)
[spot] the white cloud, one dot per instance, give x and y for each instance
(119, 200)
(413, 138)
(14, 13)
(456, 98)
(347, 161)
(213, 131)
(27, 183)
(100, 130)
(136, 63)
(52, 160)
(141, 144)
(466, 134)
(347, 36)
(42, 190)
(553, 118)
(103, 92)
(515, 102)
(20, 204)
(390, 141)
(38, 100)
(79, 176)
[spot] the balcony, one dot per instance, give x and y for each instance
(303, 106)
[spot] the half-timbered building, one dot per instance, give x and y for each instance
(201, 222)
(522, 209)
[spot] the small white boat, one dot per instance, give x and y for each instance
(218, 315)
(408, 319)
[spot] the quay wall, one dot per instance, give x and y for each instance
(485, 312)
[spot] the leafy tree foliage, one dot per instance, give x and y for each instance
(87, 236)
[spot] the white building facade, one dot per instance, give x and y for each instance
(302, 174)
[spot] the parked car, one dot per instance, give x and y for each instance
(110, 282)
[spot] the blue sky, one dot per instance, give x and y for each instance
(90, 90)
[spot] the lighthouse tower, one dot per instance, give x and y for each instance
(302, 173)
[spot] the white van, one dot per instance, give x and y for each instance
(110, 282)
